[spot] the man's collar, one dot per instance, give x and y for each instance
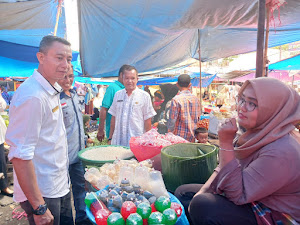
(63, 94)
(51, 89)
(132, 91)
(183, 91)
(119, 84)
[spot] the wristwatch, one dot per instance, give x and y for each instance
(40, 210)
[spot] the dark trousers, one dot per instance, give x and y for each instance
(212, 209)
(76, 172)
(59, 207)
(3, 181)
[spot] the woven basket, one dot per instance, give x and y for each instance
(187, 163)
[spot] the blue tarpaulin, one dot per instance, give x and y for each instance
(23, 25)
(89, 80)
(207, 78)
(17, 60)
(152, 36)
(292, 63)
(156, 35)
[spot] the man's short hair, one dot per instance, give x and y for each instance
(201, 130)
(48, 40)
(128, 68)
(184, 80)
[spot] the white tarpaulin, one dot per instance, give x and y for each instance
(155, 35)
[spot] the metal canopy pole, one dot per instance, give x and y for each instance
(260, 38)
(200, 76)
(266, 61)
(80, 38)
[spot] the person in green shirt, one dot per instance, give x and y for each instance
(106, 103)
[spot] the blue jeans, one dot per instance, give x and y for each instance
(76, 172)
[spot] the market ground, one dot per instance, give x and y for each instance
(7, 206)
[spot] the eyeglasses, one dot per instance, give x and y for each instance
(68, 76)
(250, 106)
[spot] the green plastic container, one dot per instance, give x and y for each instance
(97, 163)
(187, 163)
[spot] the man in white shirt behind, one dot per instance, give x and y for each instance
(38, 141)
(131, 110)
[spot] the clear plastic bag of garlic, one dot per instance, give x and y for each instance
(92, 175)
(103, 181)
(111, 171)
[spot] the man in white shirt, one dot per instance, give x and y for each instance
(131, 110)
(37, 138)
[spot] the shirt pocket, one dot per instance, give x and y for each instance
(137, 110)
(120, 106)
(68, 115)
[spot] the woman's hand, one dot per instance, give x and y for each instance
(204, 189)
(227, 132)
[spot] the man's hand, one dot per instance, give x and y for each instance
(46, 219)
(100, 134)
(90, 141)
(102, 118)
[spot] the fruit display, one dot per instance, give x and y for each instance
(203, 123)
(131, 205)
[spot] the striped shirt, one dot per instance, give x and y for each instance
(184, 114)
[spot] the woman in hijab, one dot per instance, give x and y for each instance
(258, 177)
(162, 116)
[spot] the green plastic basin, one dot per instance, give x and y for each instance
(97, 163)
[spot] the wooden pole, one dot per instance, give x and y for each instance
(200, 76)
(266, 61)
(260, 38)
(58, 13)
(80, 38)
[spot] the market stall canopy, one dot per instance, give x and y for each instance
(280, 75)
(234, 74)
(292, 63)
(17, 60)
(89, 80)
(23, 24)
(157, 35)
(207, 78)
(27, 22)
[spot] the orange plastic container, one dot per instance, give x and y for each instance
(143, 152)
